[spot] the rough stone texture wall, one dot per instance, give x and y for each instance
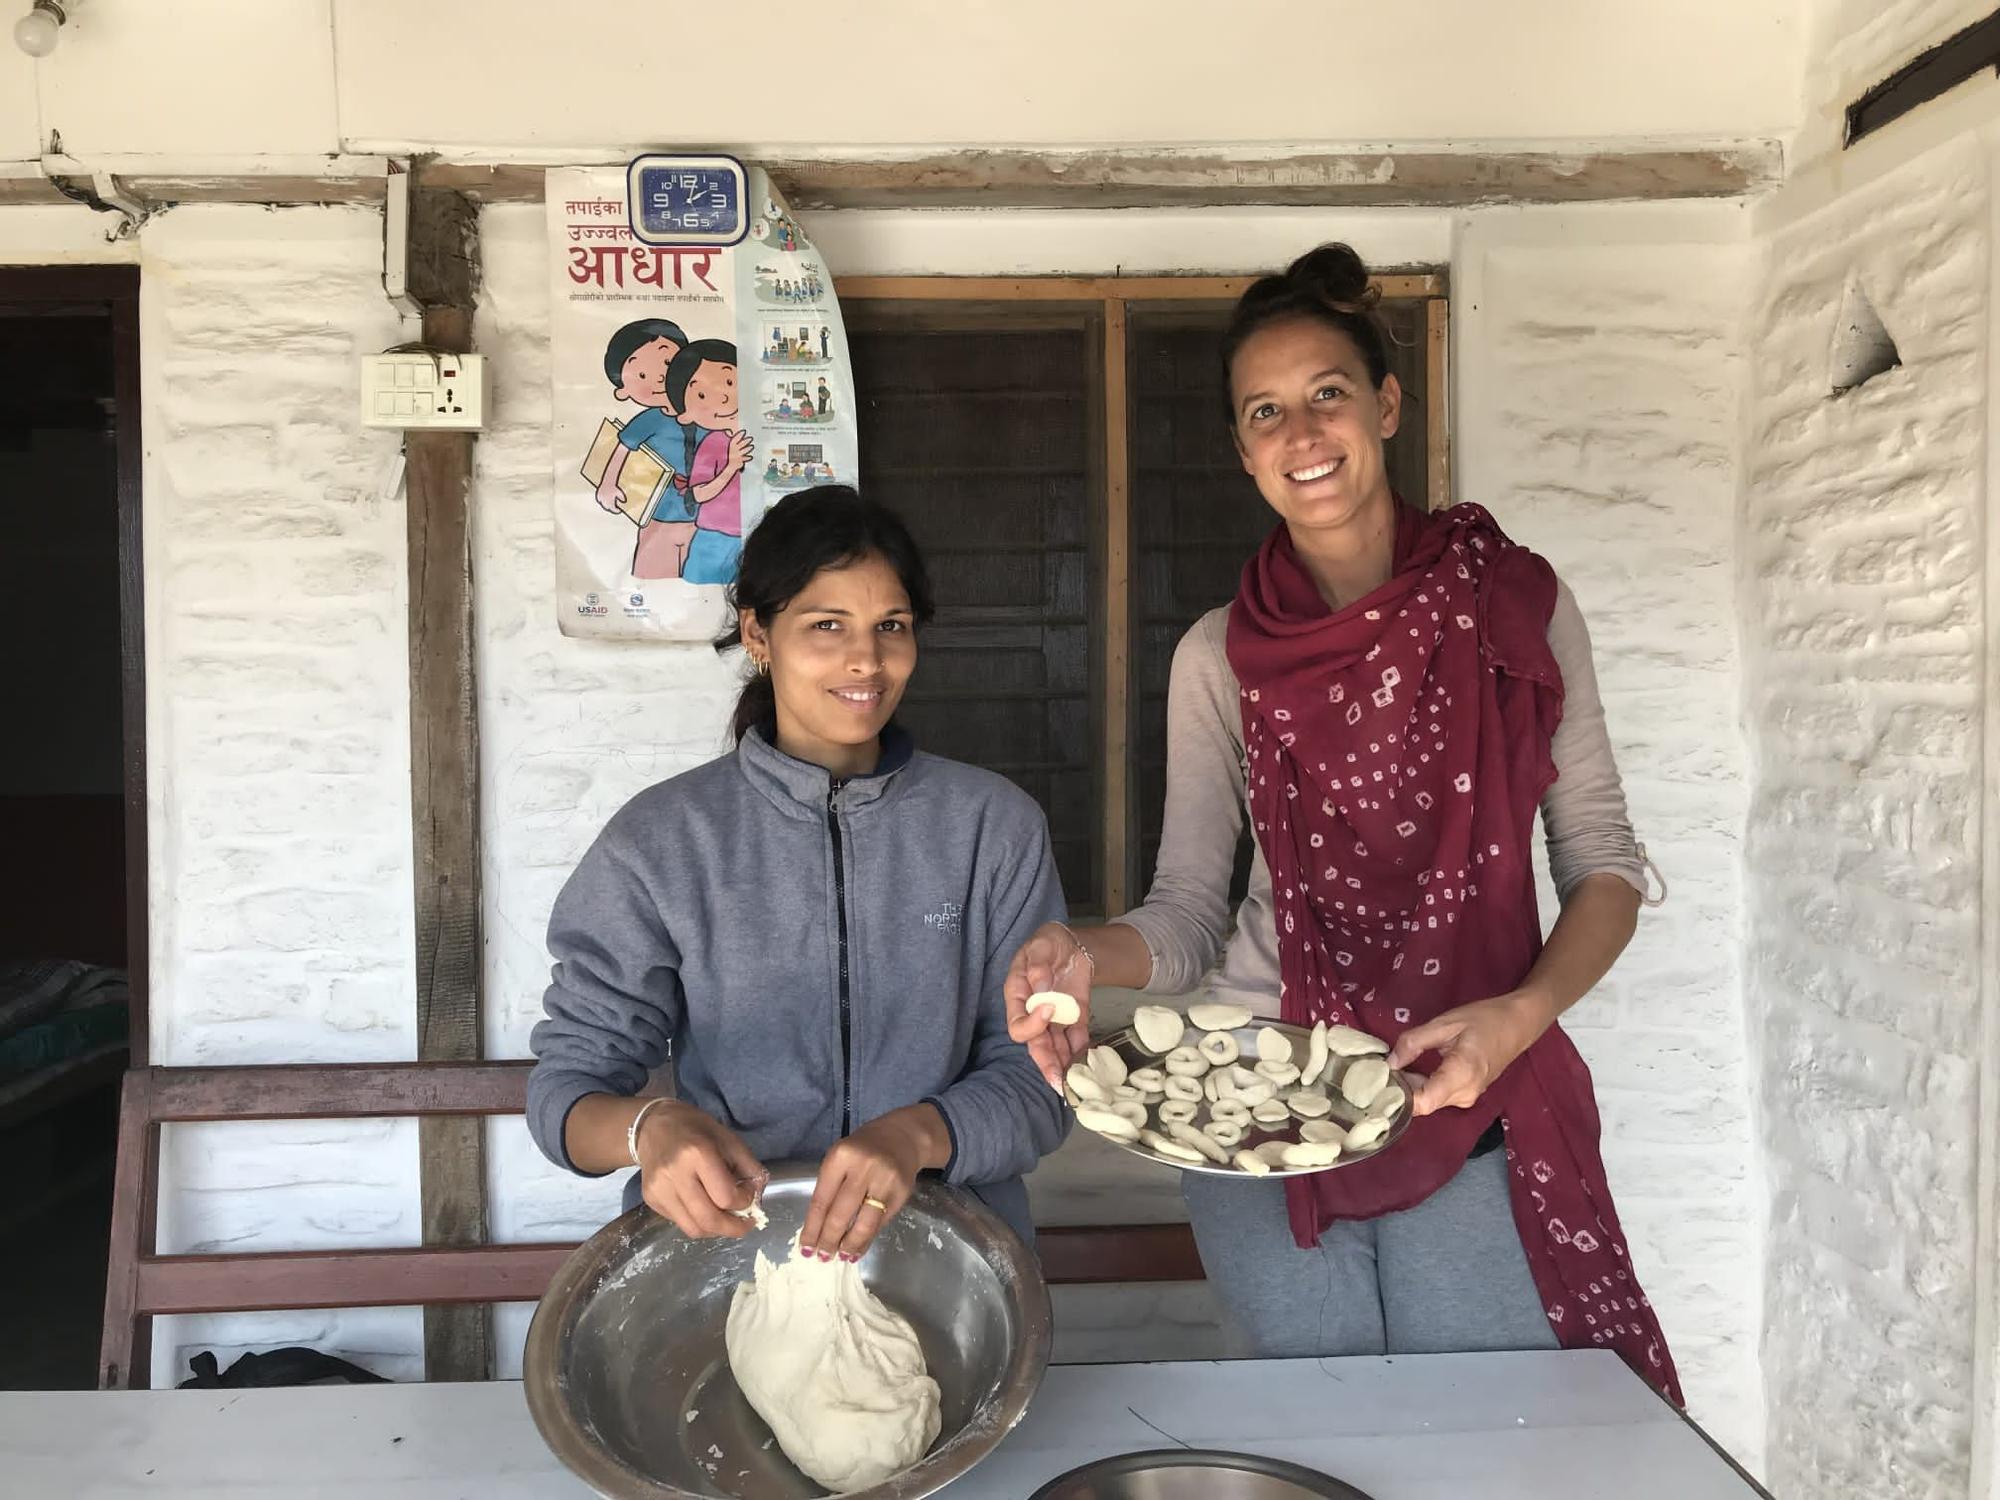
(1598, 400)
(1861, 578)
(1852, 45)
(278, 738)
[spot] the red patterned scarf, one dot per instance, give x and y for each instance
(1398, 749)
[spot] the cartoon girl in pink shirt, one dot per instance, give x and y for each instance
(701, 383)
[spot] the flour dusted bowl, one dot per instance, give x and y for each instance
(628, 1379)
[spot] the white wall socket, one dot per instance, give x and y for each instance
(433, 392)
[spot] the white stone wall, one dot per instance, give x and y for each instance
(1851, 45)
(1600, 369)
(1862, 593)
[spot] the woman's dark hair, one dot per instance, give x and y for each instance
(1329, 284)
(827, 526)
(690, 360)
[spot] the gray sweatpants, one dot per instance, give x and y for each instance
(1447, 1275)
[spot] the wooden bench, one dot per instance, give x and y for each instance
(143, 1284)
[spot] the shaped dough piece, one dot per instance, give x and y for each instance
(1260, 1092)
(1063, 1009)
(1242, 1077)
(1309, 1104)
(1231, 1111)
(1251, 1162)
(1389, 1103)
(1211, 1087)
(1107, 1065)
(1132, 1110)
(1223, 1133)
(1188, 1135)
(1283, 1074)
(1147, 1080)
(1273, 1046)
(1271, 1113)
(1178, 1112)
(1311, 1154)
(1172, 1150)
(1158, 1028)
(1364, 1079)
(1367, 1133)
(1317, 1056)
(1185, 1062)
(1217, 1015)
(1184, 1088)
(1086, 1085)
(1107, 1123)
(1273, 1152)
(1126, 1091)
(1319, 1132)
(1220, 1048)
(1345, 1041)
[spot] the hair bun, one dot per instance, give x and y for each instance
(1334, 273)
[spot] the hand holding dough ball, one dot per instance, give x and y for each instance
(1158, 1028)
(1216, 1015)
(1062, 1008)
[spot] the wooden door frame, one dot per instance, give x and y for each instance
(114, 291)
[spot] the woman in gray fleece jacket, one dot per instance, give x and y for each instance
(816, 926)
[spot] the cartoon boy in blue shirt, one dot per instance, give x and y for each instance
(635, 361)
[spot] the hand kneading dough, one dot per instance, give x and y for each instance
(837, 1376)
(1215, 1015)
(1158, 1028)
(1063, 1009)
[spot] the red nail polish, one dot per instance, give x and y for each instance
(850, 1259)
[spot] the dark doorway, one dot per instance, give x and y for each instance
(72, 797)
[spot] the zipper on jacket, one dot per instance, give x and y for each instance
(840, 908)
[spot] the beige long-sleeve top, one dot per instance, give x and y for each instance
(1185, 920)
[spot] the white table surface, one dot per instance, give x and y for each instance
(1542, 1426)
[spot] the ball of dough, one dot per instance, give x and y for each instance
(1251, 1162)
(1147, 1080)
(1319, 1132)
(1231, 1111)
(1309, 1104)
(1172, 1150)
(1106, 1123)
(1178, 1112)
(1283, 1074)
(1367, 1133)
(1063, 1009)
(1364, 1079)
(1273, 1046)
(1184, 1088)
(1187, 1135)
(1317, 1056)
(1217, 1015)
(1389, 1103)
(1158, 1028)
(1185, 1062)
(1271, 1112)
(1223, 1133)
(1311, 1154)
(1220, 1048)
(1345, 1041)
(1086, 1085)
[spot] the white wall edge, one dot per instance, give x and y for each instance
(1985, 1476)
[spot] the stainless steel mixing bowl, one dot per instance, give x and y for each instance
(1191, 1474)
(628, 1379)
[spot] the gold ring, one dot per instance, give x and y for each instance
(877, 1204)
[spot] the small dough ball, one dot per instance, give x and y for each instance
(1223, 1133)
(1086, 1085)
(1389, 1103)
(1251, 1162)
(1178, 1112)
(1273, 1152)
(1272, 1112)
(1345, 1041)
(1131, 1110)
(1367, 1133)
(1107, 1065)
(1159, 1028)
(1172, 1150)
(1185, 1062)
(1311, 1154)
(1231, 1112)
(1273, 1046)
(1260, 1092)
(1184, 1088)
(1319, 1132)
(1187, 1135)
(1283, 1074)
(1106, 1123)
(1220, 1048)
(1063, 1009)
(1309, 1104)
(1364, 1079)
(1147, 1080)
(1317, 1056)
(1216, 1015)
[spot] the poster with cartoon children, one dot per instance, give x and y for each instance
(661, 462)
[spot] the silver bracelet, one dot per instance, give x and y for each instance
(632, 1130)
(1088, 957)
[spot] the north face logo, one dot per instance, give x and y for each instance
(949, 917)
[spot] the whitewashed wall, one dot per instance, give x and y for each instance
(1863, 574)
(1600, 370)
(1851, 45)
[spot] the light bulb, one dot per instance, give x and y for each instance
(36, 32)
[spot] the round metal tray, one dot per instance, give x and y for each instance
(1194, 1474)
(1126, 1044)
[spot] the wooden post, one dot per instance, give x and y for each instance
(1117, 614)
(444, 778)
(1437, 402)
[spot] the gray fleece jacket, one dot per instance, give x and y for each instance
(814, 954)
